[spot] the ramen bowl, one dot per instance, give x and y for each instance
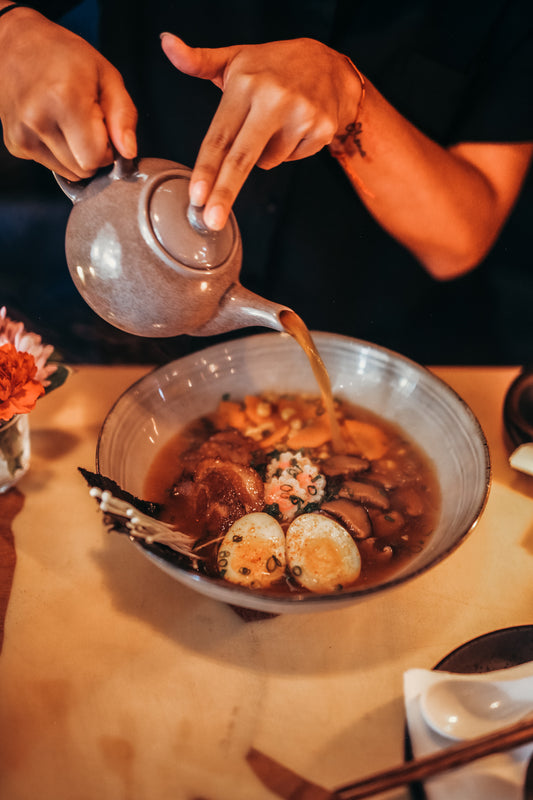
(433, 416)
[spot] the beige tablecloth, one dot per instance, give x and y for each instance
(117, 682)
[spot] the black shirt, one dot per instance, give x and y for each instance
(459, 71)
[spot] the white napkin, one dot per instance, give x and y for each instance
(497, 777)
(522, 458)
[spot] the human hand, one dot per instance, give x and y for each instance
(63, 104)
(281, 101)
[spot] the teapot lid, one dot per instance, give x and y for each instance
(180, 229)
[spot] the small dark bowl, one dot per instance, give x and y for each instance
(518, 409)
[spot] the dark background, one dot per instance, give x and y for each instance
(485, 317)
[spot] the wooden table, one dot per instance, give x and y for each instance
(118, 682)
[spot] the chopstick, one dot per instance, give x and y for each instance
(455, 756)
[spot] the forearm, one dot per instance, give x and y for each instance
(446, 206)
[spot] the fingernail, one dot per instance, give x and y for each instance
(215, 218)
(198, 193)
(130, 140)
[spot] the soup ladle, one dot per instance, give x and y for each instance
(465, 708)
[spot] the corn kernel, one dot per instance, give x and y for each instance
(287, 413)
(264, 409)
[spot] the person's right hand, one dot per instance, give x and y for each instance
(62, 103)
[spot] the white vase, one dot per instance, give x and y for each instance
(14, 450)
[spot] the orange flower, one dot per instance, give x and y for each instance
(19, 389)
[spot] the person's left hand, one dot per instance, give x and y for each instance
(281, 101)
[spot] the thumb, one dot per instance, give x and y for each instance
(200, 62)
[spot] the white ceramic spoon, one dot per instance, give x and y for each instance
(465, 708)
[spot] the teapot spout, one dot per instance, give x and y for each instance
(240, 308)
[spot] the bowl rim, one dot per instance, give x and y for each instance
(256, 599)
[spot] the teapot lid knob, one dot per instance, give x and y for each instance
(181, 233)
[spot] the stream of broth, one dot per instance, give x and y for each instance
(296, 327)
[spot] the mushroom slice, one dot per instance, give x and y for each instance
(321, 554)
(351, 515)
(345, 465)
(252, 553)
(365, 493)
(375, 552)
(388, 523)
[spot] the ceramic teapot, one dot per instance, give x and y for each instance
(142, 258)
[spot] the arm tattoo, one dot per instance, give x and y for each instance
(352, 139)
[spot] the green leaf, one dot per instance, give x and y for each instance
(58, 378)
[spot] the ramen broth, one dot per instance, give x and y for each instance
(294, 325)
(382, 489)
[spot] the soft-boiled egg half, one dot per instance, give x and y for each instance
(252, 552)
(321, 554)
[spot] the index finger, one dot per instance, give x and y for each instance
(232, 146)
(94, 122)
(87, 138)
